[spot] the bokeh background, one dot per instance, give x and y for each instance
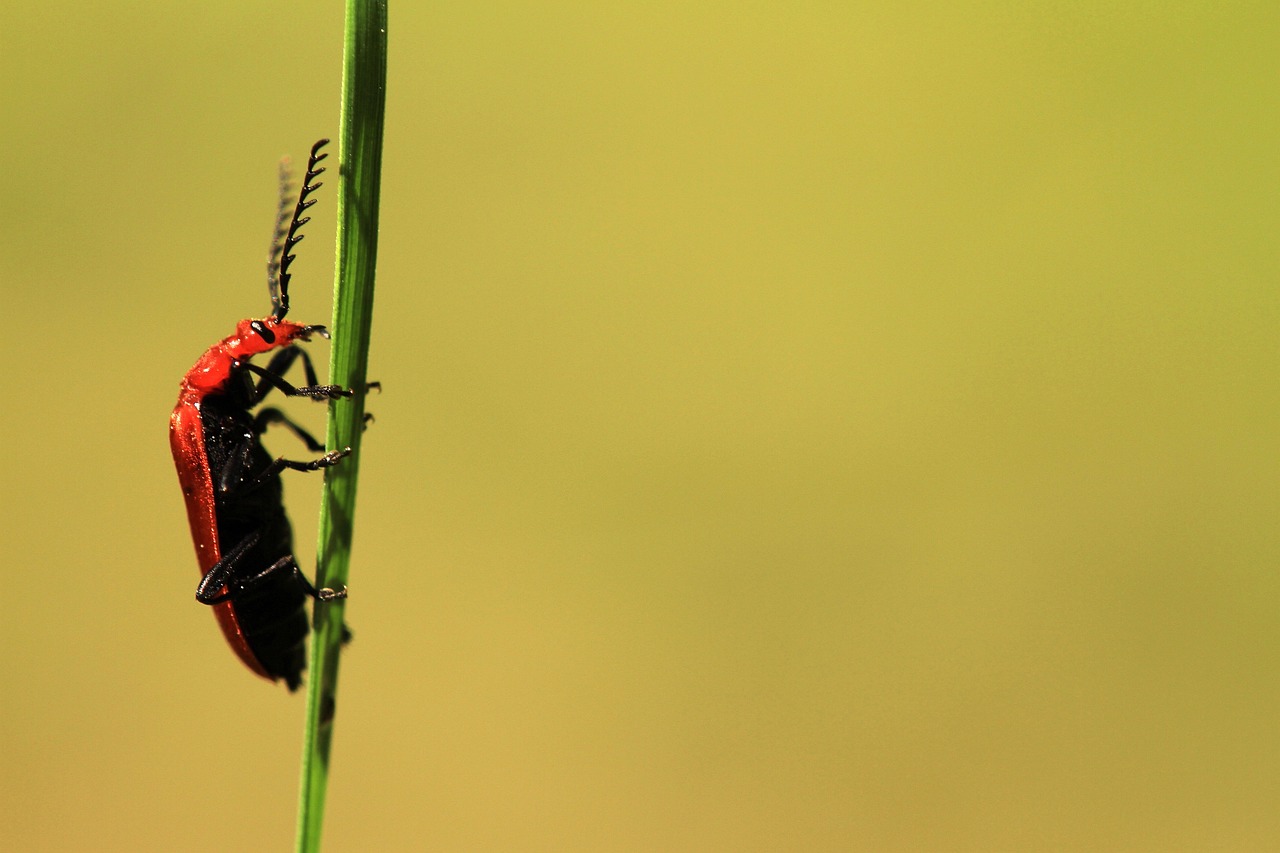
(807, 426)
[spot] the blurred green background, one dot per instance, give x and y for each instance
(814, 426)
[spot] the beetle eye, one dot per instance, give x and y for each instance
(263, 332)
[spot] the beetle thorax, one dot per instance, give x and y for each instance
(252, 337)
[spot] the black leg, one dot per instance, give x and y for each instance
(280, 464)
(220, 577)
(268, 416)
(272, 377)
(280, 363)
(234, 478)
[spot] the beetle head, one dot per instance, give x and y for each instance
(258, 336)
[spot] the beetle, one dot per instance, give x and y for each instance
(231, 485)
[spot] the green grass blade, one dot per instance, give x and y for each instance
(364, 76)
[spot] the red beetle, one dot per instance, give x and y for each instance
(244, 544)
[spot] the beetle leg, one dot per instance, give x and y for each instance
(279, 365)
(281, 362)
(289, 565)
(230, 484)
(279, 464)
(268, 416)
(218, 577)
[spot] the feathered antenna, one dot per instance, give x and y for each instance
(278, 233)
(280, 294)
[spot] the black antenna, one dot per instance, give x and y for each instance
(280, 294)
(277, 234)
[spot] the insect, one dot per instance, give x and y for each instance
(231, 485)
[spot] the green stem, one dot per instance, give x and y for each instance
(364, 76)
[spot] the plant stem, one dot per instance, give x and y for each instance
(364, 75)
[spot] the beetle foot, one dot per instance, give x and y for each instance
(327, 594)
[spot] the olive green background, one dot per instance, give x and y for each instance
(807, 426)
